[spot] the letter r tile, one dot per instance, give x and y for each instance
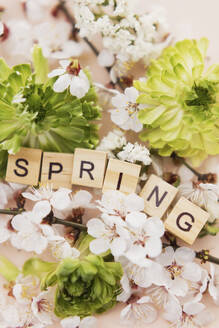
(186, 220)
(89, 167)
(24, 166)
(158, 195)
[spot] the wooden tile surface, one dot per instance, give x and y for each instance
(89, 167)
(186, 220)
(121, 176)
(57, 169)
(158, 195)
(24, 166)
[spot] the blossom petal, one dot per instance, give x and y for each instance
(184, 255)
(192, 272)
(153, 246)
(70, 322)
(21, 222)
(166, 257)
(131, 94)
(99, 246)
(119, 116)
(41, 210)
(179, 286)
(96, 228)
(56, 72)
(118, 246)
(88, 322)
(62, 83)
(136, 220)
(119, 101)
(64, 63)
(79, 85)
(133, 203)
(193, 308)
(136, 253)
(154, 227)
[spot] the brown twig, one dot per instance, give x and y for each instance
(70, 18)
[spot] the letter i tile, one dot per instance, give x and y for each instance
(186, 220)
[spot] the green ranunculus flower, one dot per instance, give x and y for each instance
(84, 286)
(33, 115)
(181, 101)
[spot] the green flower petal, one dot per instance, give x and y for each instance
(181, 102)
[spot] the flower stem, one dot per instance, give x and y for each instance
(199, 175)
(11, 212)
(52, 220)
(71, 19)
(69, 224)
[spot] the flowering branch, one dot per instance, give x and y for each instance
(203, 255)
(203, 177)
(75, 225)
(208, 177)
(51, 220)
(62, 7)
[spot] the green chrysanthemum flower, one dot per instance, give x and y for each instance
(84, 285)
(33, 115)
(181, 101)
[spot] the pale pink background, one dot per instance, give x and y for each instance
(188, 18)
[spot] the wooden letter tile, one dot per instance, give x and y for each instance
(186, 220)
(158, 195)
(121, 176)
(89, 167)
(57, 169)
(24, 167)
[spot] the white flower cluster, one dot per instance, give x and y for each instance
(126, 35)
(153, 278)
(26, 231)
(38, 26)
(205, 195)
(114, 140)
(135, 153)
(28, 307)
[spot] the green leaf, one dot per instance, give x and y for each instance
(38, 267)
(40, 65)
(7, 269)
(24, 70)
(5, 70)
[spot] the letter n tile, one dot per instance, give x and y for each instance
(158, 195)
(186, 220)
(89, 167)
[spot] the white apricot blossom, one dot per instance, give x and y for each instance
(71, 76)
(125, 112)
(117, 203)
(29, 234)
(138, 310)
(76, 322)
(178, 269)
